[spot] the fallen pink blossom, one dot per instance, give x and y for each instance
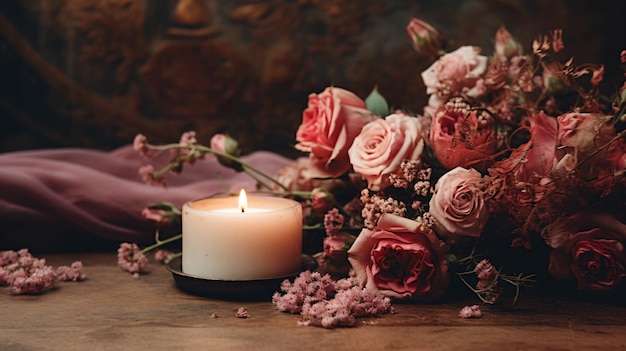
(470, 312)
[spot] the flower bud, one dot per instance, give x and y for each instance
(336, 247)
(424, 37)
(227, 145)
(322, 201)
(161, 212)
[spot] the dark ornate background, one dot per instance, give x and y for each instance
(93, 73)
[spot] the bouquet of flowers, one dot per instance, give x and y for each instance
(513, 153)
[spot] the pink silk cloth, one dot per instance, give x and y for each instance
(63, 199)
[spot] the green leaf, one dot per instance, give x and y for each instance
(377, 104)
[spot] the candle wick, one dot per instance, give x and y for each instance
(243, 210)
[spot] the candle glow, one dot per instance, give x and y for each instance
(243, 201)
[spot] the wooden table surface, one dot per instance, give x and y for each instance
(112, 311)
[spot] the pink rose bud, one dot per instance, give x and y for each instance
(218, 142)
(424, 37)
(227, 145)
(336, 247)
(322, 201)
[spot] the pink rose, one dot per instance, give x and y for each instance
(578, 130)
(454, 74)
(329, 125)
(424, 37)
(294, 176)
(580, 135)
(459, 203)
(458, 140)
(588, 247)
(382, 146)
(401, 258)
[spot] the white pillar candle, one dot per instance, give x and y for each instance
(222, 242)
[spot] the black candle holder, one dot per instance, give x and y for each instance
(235, 290)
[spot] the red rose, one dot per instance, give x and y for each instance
(457, 140)
(401, 258)
(598, 264)
(588, 248)
(329, 125)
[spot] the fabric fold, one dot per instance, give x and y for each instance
(49, 198)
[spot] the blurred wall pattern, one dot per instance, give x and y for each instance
(93, 73)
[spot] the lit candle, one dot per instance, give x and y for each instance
(225, 238)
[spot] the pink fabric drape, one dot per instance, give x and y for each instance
(56, 197)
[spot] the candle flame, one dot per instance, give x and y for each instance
(243, 201)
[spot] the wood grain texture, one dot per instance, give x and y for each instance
(112, 311)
